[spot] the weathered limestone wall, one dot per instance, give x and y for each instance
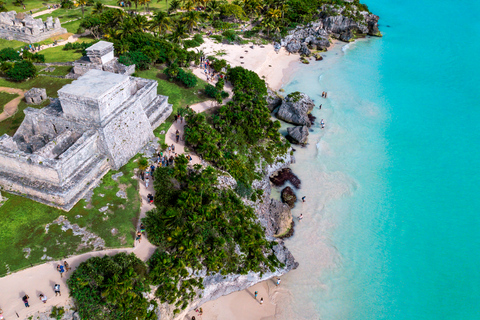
(114, 98)
(126, 134)
(147, 91)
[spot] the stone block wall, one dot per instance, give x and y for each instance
(36, 95)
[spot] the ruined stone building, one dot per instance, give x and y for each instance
(100, 56)
(100, 121)
(23, 27)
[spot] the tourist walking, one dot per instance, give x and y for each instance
(25, 300)
(256, 294)
(177, 135)
(56, 288)
(142, 228)
(300, 217)
(278, 281)
(303, 199)
(67, 266)
(146, 182)
(43, 298)
(320, 106)
(60, 269)
(261, 300)
(139, 236)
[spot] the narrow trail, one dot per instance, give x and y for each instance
(11, 107)
(42, 278)
(40, 13)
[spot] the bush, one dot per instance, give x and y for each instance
(218, 64)
(187, 78)
(34, 57)
(220, 84)
(9, 54)
(139, 59)
(22, 70)
(195, 42)
(211, 91)
(230, 36)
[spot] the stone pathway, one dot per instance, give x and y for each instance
(41, 278)
(11, 107)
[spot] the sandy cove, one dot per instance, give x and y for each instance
(262, 59)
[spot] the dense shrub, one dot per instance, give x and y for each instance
(174, 72)
(230, 36)
(198, 226)
(9, 54)
(21, 70)
(195, 42)
(111, 288)
(139, 59)
(34, 57)
(211, 91)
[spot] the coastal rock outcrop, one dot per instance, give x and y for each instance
(343, 23)
(284, 175)
(294, 109)
(281, 217)
(298, 135)
(273, 99)
(289, 197)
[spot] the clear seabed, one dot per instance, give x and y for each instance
(392, 218)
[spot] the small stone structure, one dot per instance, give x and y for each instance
(23, 27)
(100, 121)
(100, 56)
(36, 95)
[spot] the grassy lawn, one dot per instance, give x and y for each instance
(178, 95)
(23, 223)
(66, 14)
(154, 5)
(6, 97)
(34, 5)
(59, 71)
(57, 54)
(11, 44)
(10, 125)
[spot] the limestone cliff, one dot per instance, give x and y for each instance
(344, 22)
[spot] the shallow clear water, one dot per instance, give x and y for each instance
(392, 218)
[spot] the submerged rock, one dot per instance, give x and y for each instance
(281, 217)
(298, 135)
(289, 197)
(283, 176)
(318, 57)
(295, 108)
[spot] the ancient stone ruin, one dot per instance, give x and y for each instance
(23, 27)
(36, 95)
(100, 121)
(100, 56)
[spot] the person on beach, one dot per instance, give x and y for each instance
(261, 301)
(193, 317)
(256, 294)
(60, 269)
(278, 281)
(323, 94)
(43, 298)
(300, 217)
(200, 312)
(1, 315)
(56, 288)
(66, 265)
(139, 236)
(320, 107)
(303, 199)
(25, 300)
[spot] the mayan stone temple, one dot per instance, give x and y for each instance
(23, 27)
(100, 121)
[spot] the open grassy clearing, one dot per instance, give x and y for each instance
(10, 125)
(153, 6)
(6, 97)
(23, 223)
(11, 44)
(59, 71)
(34, 5)
(66, 14)
(57, 54)
(178, 95)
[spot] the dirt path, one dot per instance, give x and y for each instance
(11, 107)
(36, 14)
(42, 278)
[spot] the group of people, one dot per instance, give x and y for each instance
(61, 268)
(200, 312)
(210, 73)
(324, 95)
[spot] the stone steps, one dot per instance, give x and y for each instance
(162, 116)
(158, 111)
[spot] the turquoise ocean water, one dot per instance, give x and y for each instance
(392, 218)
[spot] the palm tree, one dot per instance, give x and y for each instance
(82, 3)
(160, 23)
(268, 24)
(178, 34)
(174, 6)
(191, 20)
(144, 3)
(99, 7)
(188, 5)
(141, 22)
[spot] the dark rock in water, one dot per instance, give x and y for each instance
(284, 175)
(289, 197)
(273, 99)
(312, 118)
(298, 135)
(318, 57)
(346, 36)
(281, 217)
(294, 109)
